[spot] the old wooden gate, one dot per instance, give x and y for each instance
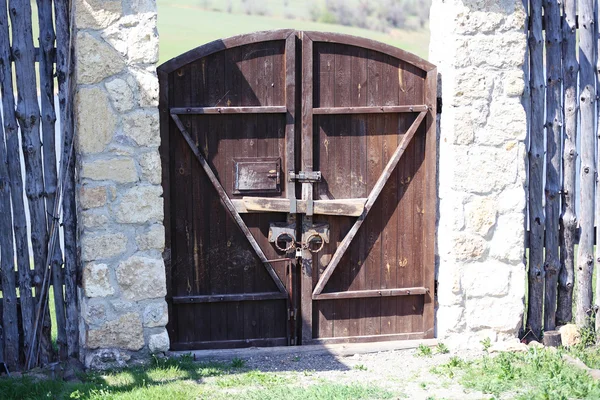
(299, 175)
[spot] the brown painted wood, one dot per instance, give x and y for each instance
(229, 110)
(230, 344)
(372, 338)
(369, 110)
(371, 293)
(346, 109)
(369, 204)
(229, 297)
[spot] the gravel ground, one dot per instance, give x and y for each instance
(401, 371)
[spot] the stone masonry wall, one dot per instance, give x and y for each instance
(120, 208)
(479, 47)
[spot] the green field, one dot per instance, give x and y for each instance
(185, 24)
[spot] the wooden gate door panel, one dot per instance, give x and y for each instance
(226, 106)
(248, 120)
(369, 105)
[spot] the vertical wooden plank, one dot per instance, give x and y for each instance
(566, 277)
(430, 203)
(536, 168)
(307, 188)
(553, 157)
(374, 167)
(48, 119)
(16, 180)
(28, 116)
(587, 95)
(10, 327)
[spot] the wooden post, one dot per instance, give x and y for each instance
(46, 68)
(587, 94)
(566, 277)
(65, 99)
(597, 65)
(16, 179)
(536, 167)
(553, 156)
(7, 269)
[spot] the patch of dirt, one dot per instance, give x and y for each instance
(402, 372)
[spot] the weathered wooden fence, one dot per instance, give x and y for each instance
(563, 199)
(36, 199)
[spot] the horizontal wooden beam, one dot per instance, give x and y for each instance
(345, 207)
(229, 110)
(373, 338)
(369, 110)
(216, 298)
(229, 344)
(359, 294)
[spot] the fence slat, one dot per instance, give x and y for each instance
(597, 81)
(46, 68)
(553, 158)
(536, 168)
(566, 277)
(587, 92)
(28, 116)
(7, 269)
(16, 179)
(63, 71)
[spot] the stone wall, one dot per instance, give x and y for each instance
(120, 208)
(479, 47)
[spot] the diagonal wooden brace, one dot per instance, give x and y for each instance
(228, 204)
(379, 185)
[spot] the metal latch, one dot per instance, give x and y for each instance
(304, 176)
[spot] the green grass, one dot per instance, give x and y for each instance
(181, 378)
(536, 374)
(423, 351)
(184, 25)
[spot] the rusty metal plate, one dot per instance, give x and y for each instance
(257, 175)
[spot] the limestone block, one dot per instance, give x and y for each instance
(507, 122)
(156, 314)
(96, 282)
(570, 335)
(152, 239)
(151, 167)
(512, 200)
(147, 82)
(142, 126)
(450, 285)
(123, 333)
(93, 314)
(508, 242)
(92, 197)
(481, 215)
(140, 204)
(501, 314)
(99, 246)
(135, 37)
(470, 23)
(488, 278)
(513, 345)
(95, 120)
(142, 278)
(159, 343)
(95, 59)
(121, 94)
(141, 6)
(93, 219)
(514, 83)
(468, 247)
(120, 170)
(450, 319)
(485, 169)
(104, 359)
(483, 50)
(473, 83)
(96, 14)
(464, 129)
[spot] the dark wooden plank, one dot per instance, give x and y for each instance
(587, 94)
(228, 110)
(28, 116)
(16, 181)
(370, 110)
(64, 70)
(568, 219)
(229, 297)
(230, 344)
(290, 104)
(371, 200)
(353, 294)
(306, 284)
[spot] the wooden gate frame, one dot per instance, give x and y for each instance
(306, 205)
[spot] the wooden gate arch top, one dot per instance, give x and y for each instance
(298, 129)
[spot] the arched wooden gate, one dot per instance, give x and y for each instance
(299, 176)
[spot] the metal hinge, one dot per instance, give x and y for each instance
(304, 176)
(439, 105)
(292, 313)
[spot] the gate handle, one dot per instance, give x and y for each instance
(315, 235)
(284, 249)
